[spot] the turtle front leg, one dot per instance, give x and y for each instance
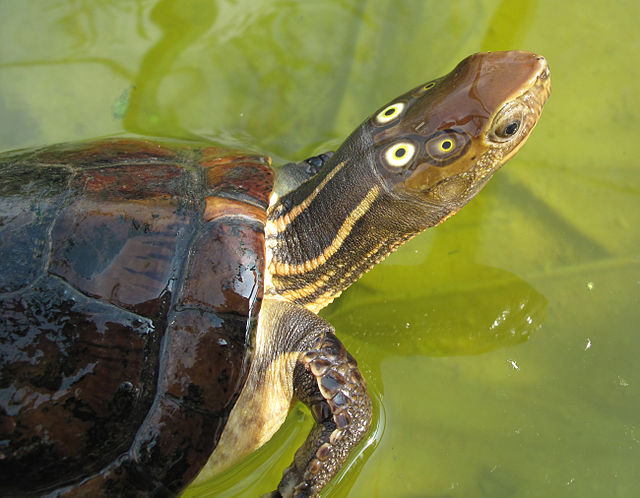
(326, 378)
(297, 356)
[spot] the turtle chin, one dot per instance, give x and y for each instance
(450, 193)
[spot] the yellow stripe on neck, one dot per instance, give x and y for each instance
(279, 225)
(371, 258)
(285, 269)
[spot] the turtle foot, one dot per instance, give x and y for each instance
(327, 379)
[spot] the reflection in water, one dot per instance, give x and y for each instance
(266, 462)
(181, 24)
(476, 310)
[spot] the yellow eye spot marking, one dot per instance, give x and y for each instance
(390, 113)
(399, 155)
(446, 145)
(429, 85)
(442, 146)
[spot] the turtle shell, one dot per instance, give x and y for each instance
(131, 279)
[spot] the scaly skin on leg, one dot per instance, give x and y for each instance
(299, 357)
(327, 379)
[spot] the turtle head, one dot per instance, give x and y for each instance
(441, 142)
(411, 165)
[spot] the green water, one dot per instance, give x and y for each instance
(540, 272)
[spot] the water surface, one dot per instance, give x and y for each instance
(501, 348)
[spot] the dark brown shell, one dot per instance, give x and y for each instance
(131, 279)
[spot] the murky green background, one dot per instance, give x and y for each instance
(501, 348)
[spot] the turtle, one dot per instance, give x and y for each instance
(160, 299)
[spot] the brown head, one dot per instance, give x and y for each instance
(442, 141)
(411, 165)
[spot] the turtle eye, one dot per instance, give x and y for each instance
(508, 129)
(509, 123)
(389, 113)
(399, 154)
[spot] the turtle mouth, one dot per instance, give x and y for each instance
(543, 81)
(538, 93)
